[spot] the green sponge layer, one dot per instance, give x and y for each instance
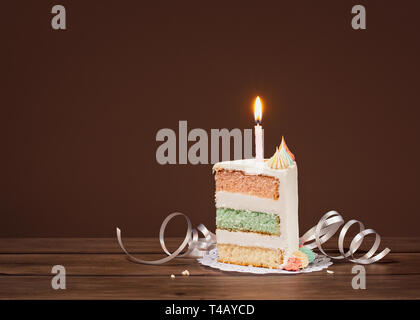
(245, 220)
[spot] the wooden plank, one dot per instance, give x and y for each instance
(96, 269)
(226, 287)
(118, 265)
(149, 245)
(83, 245)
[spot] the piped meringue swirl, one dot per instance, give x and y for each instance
(282, 158)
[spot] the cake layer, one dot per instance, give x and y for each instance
(250, 239)
(285, 206)
(239, 201)
(239, 182)
(254, 256)
(246, 220)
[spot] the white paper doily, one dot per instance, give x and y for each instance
(321, 262)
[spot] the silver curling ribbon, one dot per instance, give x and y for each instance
(327, 227)
(196, 247)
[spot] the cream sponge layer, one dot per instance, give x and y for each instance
(246, 256)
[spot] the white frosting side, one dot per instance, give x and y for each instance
(249, 239)
(286, 206)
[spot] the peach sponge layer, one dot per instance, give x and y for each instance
(239, 182)
(250, 256)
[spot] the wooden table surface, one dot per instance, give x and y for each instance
(97, 269)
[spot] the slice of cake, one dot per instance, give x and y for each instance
(257, 211)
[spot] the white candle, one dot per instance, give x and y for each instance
(258, 143)
(259, 149)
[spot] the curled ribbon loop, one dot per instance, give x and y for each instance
(328, 226)
(197, 247)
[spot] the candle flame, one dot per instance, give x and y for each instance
(258, 110)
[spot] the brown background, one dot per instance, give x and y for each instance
(80, 109)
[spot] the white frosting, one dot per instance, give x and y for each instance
(251, 166)
(286, 206)
(240, 201)
(249, 239)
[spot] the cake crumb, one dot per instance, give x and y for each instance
(330, 271)
(185, 273)
(172, 276)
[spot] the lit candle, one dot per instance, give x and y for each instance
(259, 150)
